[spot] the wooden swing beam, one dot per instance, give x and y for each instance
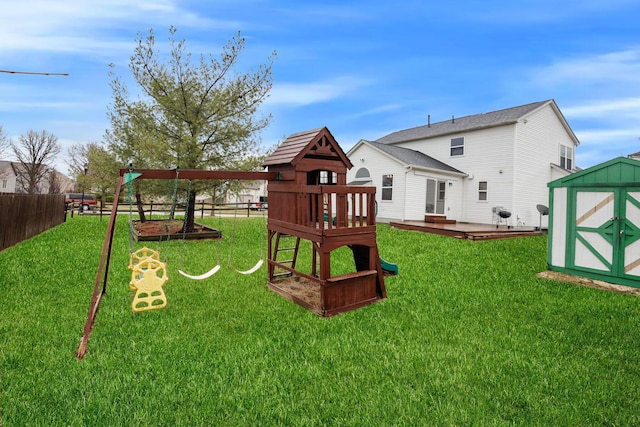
(100, 286)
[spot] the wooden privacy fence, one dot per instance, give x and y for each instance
(25, 215)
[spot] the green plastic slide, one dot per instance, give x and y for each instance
(389, 267)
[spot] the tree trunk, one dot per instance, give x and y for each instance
(140, 208)
(189, 221)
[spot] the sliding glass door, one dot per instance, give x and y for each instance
(435, 197)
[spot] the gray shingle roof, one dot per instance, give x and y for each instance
(461, 124)
(413, 157)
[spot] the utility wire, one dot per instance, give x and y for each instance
(34, 73)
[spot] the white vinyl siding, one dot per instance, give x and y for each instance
(486, 153)
(378, 164)
(537, 156)
(517, 160)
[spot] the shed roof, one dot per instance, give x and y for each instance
(314, 143)
(411, 157)
(617, 172)
(473, 122)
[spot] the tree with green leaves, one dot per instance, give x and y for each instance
(93, 167)
(201, 115)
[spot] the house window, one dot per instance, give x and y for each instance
(566, 157)
(362, 173)
(457, 146)
(482, 190)
(362, 177)
(4, 183)
(387, 187)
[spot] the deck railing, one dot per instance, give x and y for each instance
(325, 207)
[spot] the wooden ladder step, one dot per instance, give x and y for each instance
(283, 274)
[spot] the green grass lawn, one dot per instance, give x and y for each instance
(468, 336)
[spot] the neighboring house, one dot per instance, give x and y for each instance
(8, 177)
(252, 192)
(466, 167)
(634, 156)
(12, 180)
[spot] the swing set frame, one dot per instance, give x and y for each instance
(310, 200)
(100, 285)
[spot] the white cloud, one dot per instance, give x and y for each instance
(598, 145)
(89, 26)
(377, 110)
(599, 95)
(627, 107)
(300, 94)
(614, 70)
(621, 134)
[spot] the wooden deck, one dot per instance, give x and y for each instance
(466, 230)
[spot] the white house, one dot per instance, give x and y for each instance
(467, 167)
(13, 180)
(8, 177)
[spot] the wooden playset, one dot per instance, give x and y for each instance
(311, 201)
(308, 201)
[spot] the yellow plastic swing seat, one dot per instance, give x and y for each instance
(149, 277)
(140, 254)
(136, 257)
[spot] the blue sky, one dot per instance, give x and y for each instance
(361, 68)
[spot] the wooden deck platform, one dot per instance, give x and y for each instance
(466, 230)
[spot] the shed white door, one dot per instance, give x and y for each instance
(607, 232)
(630, 233)
(593, 243)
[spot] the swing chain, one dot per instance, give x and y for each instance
(168, 223)
(184, 225)
(233, 238)
(130, 187)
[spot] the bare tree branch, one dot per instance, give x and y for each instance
(35, 151)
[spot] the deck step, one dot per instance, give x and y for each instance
(439, 219)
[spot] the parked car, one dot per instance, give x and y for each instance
(262, 204)
(88, 202)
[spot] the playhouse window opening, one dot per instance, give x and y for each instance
(387, 187)
(327, 177)
(322, 177)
